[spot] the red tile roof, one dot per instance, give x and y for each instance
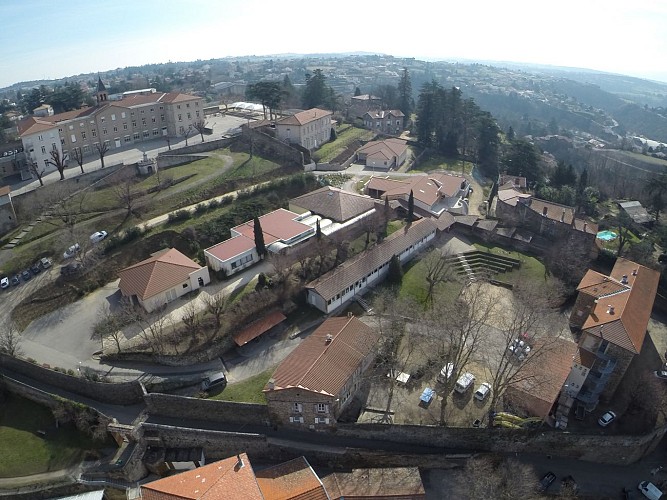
(402, 483)
(293, 480)
(256, 328)
(34, 125)
(381, 114)
(326, 359)
(426, 188)
(388, 147)
(222, 480)
(334, 203)
(622, 315)
(304, 117)
(156, 274)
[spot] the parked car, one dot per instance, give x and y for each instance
(15, 280)
(445, 373)
(649, 490)
(213, 380)
(607, 418)
(26, 275)
(35, 268)
(464, 382)
(98, 236)
(483, 391)
(4, 283)
(71, 251)
(45, 262)
(660, 374)
(546, 481)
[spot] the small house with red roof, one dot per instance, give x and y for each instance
(383, 155)
(319, 378)
(162, 278)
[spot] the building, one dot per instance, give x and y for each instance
(385, 122)
(7, 212)
(512, 182)
(136, 117)
(360, 104)
(43, 110)
(162, 278)
(433, 193)
(637, 212)
(281, 228)
(612, 312)
(309, 129)
(312, 386)
(383, 155)
(333, 203)
(353, 277)
(13, 165)
(295, 479)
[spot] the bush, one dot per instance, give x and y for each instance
(201, 208)
(178, 216)
(129, 235)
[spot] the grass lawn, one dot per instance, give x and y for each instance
(531, 268)
(238, 293)
(437, 162)
(395, 225)
(24, 452)
(414, 284)
(247, 391)
(346, 136)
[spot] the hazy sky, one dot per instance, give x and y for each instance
(43, 39)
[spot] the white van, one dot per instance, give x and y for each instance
(445, 373)
(649, 490)
(464, 382)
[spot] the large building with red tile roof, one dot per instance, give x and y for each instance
(309, 129)
(162, 278)
(433, 193)
(612, 313)
(136, 117)
(281, 229)
(314, 383)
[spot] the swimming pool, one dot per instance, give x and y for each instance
(607, 235)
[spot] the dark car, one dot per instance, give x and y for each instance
(35, 268)
(26, 275)
(15, 280)
(546, 481)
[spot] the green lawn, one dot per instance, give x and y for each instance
(414, 284)
(24, 452)
(248, 391)
(346, 136)
(531, 268)
(395, 225)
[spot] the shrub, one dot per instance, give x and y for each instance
(201, 208)
(179, 215)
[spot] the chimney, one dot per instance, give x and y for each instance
(610, 309)
(544, 211)
(271, 384)
(562, 217)
(239, 461)
(328, 339)
(624, 279)
(585, 225)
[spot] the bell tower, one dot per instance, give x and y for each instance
(102, 93)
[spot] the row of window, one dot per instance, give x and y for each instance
(241, 261)
(318, 407)
(301, 420)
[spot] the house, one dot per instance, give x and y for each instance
(295, 479)
(433, 193)
(309, 129)
(43, 110)
(383, 155)
(402, 483)
(312, 386)
(612, 312)
(637, 212)
(162, 278)
(538, 383)
(360, 104)
(229, 479)
(353, 277)
(333, 203)
(512, 182)
(7, 212)
(385, 122)
(135, 117)
(552, 221)
(281, 228)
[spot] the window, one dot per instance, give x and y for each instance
(187, 105)
(104, 131)
(86, 148)
(296, 420)
(71, 127)
(83, 135)
(156, 131)
(59, 130)
(161, 118)
(146, 133)
(180, 118)
(113, 117)
(153, 119)
(43, 150)
(81, 124)
(297, 408)
(143, 121)
(321, 420)
(46, 163)
(196, 104)
(39, 137)
(134, 123)
(107, 143)
(189, 116)
(178, 106)
(62, 142)
(142, 111)
(102, 119)
(322, 408)
(115, 129)
(94, 132)
(137, 136)
(127, 138)
(151, 110)
(122, 115)
(124, 126)
(161, 108)
(197, 114)
(185, 285)
(132, 113)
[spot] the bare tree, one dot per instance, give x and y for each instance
(186, 133)
(58, 160)
(102, 149)
(489, 476)
(10, 340)
(200, 126)
(154, 328)
(438, 270)
(282, 264)
(191, 318)
(216, 305)
(125, 195)
(77, 154)
(37, 170)
(110, 324)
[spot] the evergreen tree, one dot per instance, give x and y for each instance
(405, 101)
(395, 271)
(259, 238)
(583, 181)
(357, 91)
(521, 158)
(411, 207)
(318, 231)
(510, 134)
(316, 92)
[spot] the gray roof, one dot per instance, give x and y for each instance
(333, 203)
(636, 212)
(358, 267)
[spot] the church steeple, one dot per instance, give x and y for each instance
(102, 93)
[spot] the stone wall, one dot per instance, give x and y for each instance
(166, 161)
(123, 394)
(209, 410)
(270, 147)
(200, 147)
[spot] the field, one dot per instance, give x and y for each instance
(248, 391)
(24, 451)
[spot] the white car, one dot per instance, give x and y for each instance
(607, 418)
(71, 251)
(483, 391)
(4, 283)
(98, 236)
(464, 382)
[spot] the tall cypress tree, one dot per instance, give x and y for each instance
(411, 207)
(318, 231)
(259, 238)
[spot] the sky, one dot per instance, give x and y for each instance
(48, 39)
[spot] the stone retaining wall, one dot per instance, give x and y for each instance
(201, 147)
(167, 161)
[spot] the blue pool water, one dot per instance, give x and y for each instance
(607, 235)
